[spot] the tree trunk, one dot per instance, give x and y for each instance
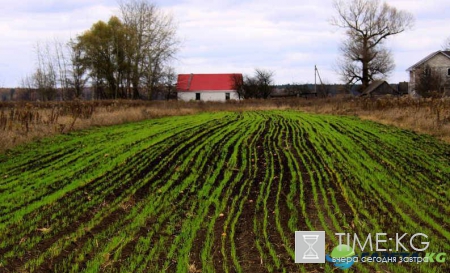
(135, 89)
(365, 65)
(365, 75)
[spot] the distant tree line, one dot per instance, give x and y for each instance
(126, 57)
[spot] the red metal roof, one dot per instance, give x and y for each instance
(205, 82)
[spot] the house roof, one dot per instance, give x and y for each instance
(445, 53)
(374, 86)
(203, 82)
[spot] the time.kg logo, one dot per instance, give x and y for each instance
(310, 247)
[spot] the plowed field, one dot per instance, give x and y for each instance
(218, 192)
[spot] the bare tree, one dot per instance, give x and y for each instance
(238, 85)
(257, 86)
(367, 24)
(62, 66)
(168, 82)
(51, 71)
(26, 84)
(265, 80)
(251, 87)
(154, 43)
(45, 76)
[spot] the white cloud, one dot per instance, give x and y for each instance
(255, 34)
(24, 23)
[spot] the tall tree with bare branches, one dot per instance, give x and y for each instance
(45, 76)
(367, 24)
(153, 43)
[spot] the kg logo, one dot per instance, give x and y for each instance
(342, 256)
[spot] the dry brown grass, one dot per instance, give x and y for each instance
(24, 122)
(428, 116)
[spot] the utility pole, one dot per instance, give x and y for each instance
(315, 76)
(316, 73)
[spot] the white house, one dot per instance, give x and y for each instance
(438, 61)
(207, 87)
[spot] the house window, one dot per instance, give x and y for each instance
(227, 96)
(197, 96)
(448, 72)
(427, 71)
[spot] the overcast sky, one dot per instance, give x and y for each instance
(286, 36)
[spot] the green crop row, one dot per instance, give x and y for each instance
(218, 192)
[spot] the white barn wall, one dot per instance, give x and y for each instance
(207, 95)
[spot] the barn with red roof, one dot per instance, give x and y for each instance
(207, 87)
